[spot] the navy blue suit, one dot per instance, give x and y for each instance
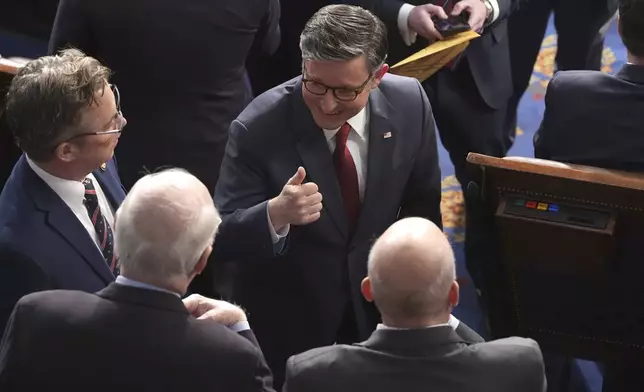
(43, 245)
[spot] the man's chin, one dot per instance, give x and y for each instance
(329, 122)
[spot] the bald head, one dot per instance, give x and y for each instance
(412, 272)
(164, 226)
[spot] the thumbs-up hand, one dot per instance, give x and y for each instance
(299, 203)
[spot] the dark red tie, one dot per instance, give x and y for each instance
(345, 169)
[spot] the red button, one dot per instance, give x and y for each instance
(531, 204)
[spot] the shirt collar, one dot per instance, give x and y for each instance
(72, 192)
(453, 322)
(122, 280)
(357, 122)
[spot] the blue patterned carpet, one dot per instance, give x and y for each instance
(586, 376)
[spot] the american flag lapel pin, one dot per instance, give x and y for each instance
(386, 135)
(103, 166)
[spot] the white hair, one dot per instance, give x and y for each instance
(164, 225)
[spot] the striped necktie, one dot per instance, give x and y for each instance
(103, 229)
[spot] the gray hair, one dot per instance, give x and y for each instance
(343, 32)
(164, 225)
(46, 98)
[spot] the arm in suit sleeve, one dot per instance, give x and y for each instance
(268, 36)
(468, 334)
(241, 196)
(263, 378)
(9, 353)
(19, 276)
(422, 195)
(545, 138)
(71, 27)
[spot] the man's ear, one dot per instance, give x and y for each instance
(66, 152)
(454, 294)
(379, 74)
(365, 288)
(203, 261)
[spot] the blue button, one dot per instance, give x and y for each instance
(553, 208)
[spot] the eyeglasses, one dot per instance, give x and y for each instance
(340, 93)
(117, 100)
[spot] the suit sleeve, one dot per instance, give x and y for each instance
(267, 38)
(422, 195)
(19, 276)
(71, 27)
(241, 196)
(544, 142)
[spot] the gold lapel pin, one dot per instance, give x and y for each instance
(103, 166)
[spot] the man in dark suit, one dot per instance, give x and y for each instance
(137, 334)
(180, 66)
(56, 209)
(314, 170)
(592, 118)
(469, 96)
(581, 26)
(418, 346)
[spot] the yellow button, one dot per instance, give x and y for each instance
(542, 206)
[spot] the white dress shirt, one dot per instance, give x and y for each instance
(409, 36)
(73, 194)
(358, 145)
(452, 322)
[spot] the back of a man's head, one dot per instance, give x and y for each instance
(164, 228)
(412, 275)
(631, 26)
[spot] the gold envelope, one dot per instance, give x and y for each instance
(424, 63)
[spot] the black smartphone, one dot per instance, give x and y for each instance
(451, 26)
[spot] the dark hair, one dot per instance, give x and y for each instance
(342, 32)
(46, 97)
(631, 25)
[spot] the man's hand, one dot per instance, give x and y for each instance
(420, 21)
(221, 312)
(477, 10)
(297, 204)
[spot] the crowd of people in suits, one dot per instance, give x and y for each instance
(314, 206)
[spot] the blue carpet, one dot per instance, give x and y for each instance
(586, 376)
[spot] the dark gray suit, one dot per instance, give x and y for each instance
(319, 271)
(433, 359)
(124, 339)
(592, 118)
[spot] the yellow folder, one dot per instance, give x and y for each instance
(424, 63)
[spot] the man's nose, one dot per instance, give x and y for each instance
(328, 103)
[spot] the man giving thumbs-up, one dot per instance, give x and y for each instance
(345, 131)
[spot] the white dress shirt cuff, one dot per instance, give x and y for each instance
(495, 10)
(276, 236)
(240, 326)
(408, 36)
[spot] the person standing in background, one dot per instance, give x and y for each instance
(180, 67)
(580, 25)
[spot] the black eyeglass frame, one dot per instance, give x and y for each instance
(357, 91)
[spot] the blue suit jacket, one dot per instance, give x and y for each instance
(42, 243)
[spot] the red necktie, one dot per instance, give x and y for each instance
(345, 169)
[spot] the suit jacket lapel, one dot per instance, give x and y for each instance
(318, 161)
(110, 186)
(382, 141)
(63, 220)
(632, 73)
